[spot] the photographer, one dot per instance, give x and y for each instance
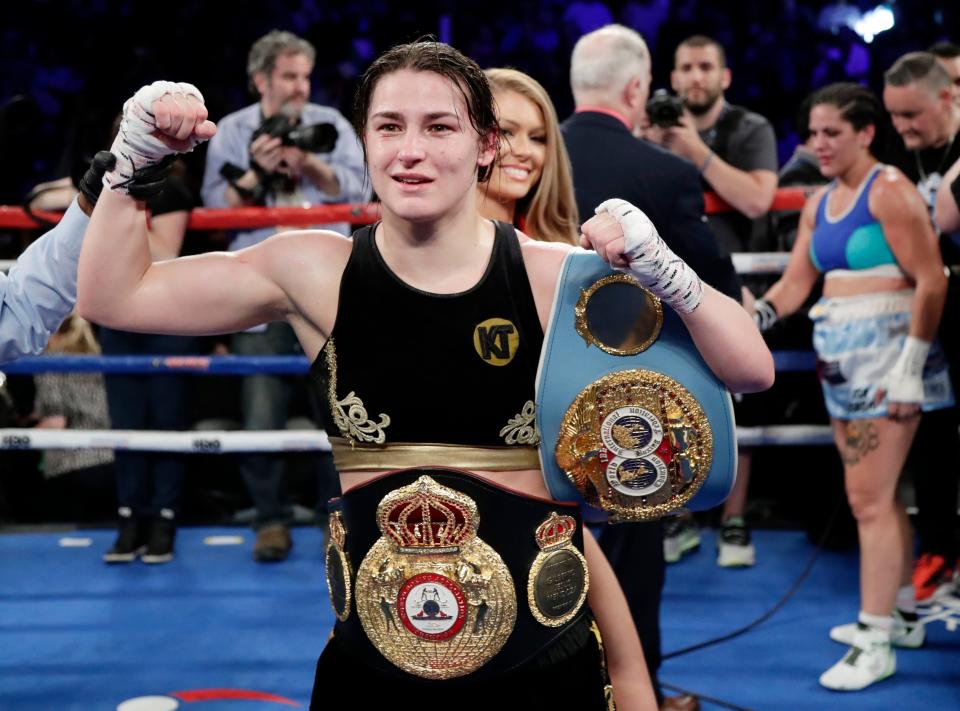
(278, 152)
(253, 159)
(735, 151)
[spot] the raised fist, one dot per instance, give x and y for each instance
(161, 119)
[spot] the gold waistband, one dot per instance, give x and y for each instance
(403, 455)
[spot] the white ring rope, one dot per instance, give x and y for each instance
(196, 441)
(226, 442)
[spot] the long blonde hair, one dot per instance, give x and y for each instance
(549, 209)
(75, 335)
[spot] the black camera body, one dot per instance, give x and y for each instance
(315, 138)
(664, 109)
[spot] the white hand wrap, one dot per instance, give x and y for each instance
(652, 262)
(764, 314)
(136, 146)
(904, 381)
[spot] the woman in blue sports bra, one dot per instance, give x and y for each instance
(869, 233)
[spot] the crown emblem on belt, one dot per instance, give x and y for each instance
(426, 517)
(433, 598)
(556, 531)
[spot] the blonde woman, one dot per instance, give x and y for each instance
(531, 184)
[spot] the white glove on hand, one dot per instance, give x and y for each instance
(137, 145)
(652, 262)
(904, 381)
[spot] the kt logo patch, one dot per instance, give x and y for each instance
(496, 341)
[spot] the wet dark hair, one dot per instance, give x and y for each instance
(442, 59)
(858, 105)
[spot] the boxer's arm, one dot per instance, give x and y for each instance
(632, 688)
(119, 286)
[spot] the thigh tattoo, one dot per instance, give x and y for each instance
(860, 438)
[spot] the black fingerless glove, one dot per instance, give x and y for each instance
(92, 181)
(149, 182)
(146, 184)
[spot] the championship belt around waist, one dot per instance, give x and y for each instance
(455, 575)
(632, 420)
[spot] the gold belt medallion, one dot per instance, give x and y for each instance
(636, 444)
(338, 568)
(558, 582)
(432, 597)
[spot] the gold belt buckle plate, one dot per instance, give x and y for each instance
(434, 598)
(636, 444)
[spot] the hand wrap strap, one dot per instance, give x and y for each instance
(136, 146)
(904, 381)
(652, 262)
(764, 314)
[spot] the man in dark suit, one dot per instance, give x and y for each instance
(610, 78)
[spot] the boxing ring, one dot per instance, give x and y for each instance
(217, 629)
(211, 442)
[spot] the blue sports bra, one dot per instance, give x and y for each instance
(854, 240)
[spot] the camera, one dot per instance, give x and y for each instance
(315, 138)
(664, 109)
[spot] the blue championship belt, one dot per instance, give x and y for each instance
(632, 420)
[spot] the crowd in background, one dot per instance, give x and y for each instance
(51, 54)
(720, 141)
(54, 111)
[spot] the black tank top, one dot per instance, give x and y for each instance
(404, 365)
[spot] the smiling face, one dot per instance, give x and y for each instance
(836, 143)
(523, 147)
(422, 151)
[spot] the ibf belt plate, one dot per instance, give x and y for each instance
(434, 598)
(635, 443)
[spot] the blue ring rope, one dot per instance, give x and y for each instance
(785, 362)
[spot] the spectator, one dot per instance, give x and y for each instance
(530, 184)
(919, 96)
(149, 484)
(75, 401)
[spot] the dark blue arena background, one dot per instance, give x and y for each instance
(66, 66)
